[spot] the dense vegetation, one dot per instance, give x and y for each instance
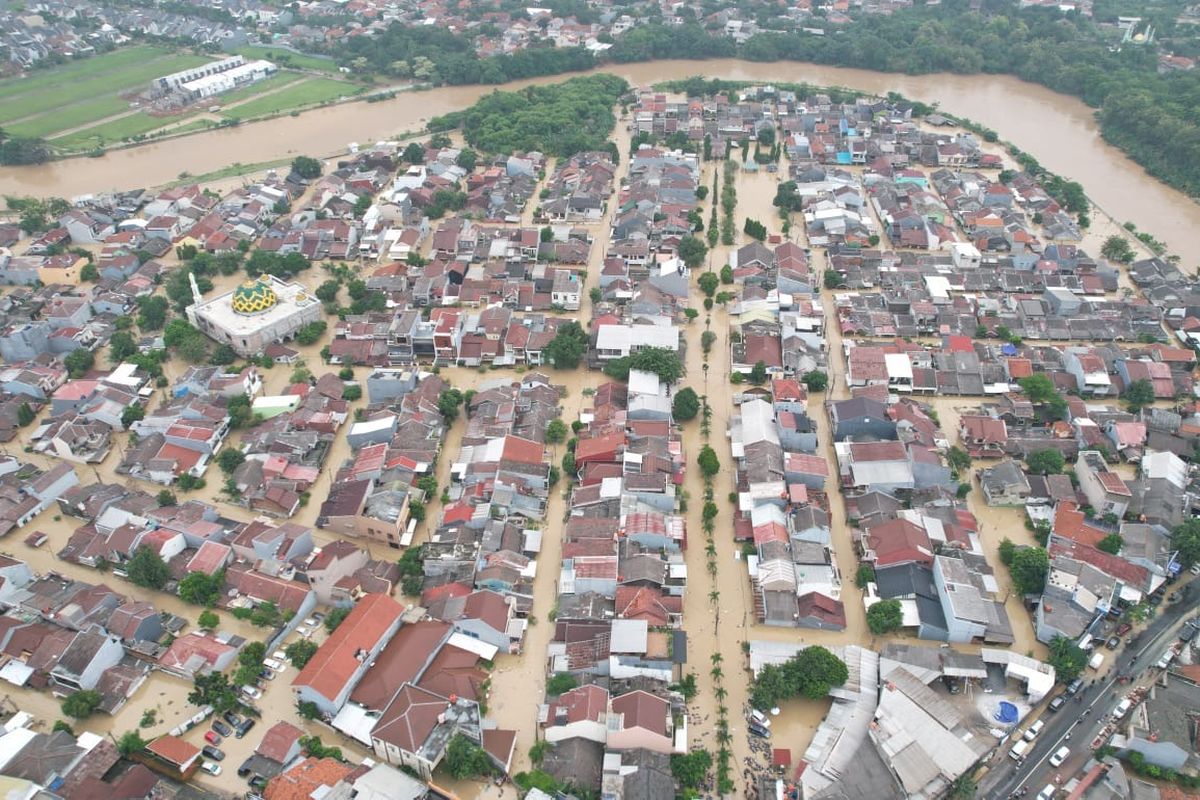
(1154, 118)
(436, 55)
(559, 120)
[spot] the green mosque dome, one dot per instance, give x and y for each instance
(254, 297)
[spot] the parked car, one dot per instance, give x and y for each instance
(212, 737)
(318, 616)
(1195, 570)
(1124, 628)
(1113, 642)
(1034, 730)
(232, 718)
(252, 693)
(221, 728)
(759, 730)
(271, 663)
(1074, 686)
(215, 753)
(266, 674)
(1060, 755)
(278, 655)
(211, 768)
(1057, 703)
(311, 622)
(303, 631)
(244, 728)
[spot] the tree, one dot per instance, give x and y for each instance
(1045, 462)
(79, 361)
(1040, 390)
(208, 620)
(758, 373)
(25, 415)
(335, 617)
(1029, 568)
(664, 363)
(315, 748)
(414, 153)
(327, 292)
(448, 404)
(556, 431)
(708, 283)
(832, 279)
(466, 760)
(884, 617)
(306, 167)
(691, 769)
(131, 743)
(308, 710)
(811, 673)
(121, 346)
(1138, 394)
(82, 704)
(165, 497)
(566, 349)
(707, 340)
(147, 569)
(708, 461)
(560, 682)
(726, 274)
(685, 405)
(864, 575)
(352, 393)
(1067, 658)
(202, 589)
(230, 459)
(1111, 543)
(755, 229)
(152, 312)
(1185, 538)
(1007, 551)
(467, 158)
(1117, 248)
(132, 414)
(958, 458)
(311, 333)
(815, 381)
(301, 652)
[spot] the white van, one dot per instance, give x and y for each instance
(1034, 730)
(1122, 709)
(1047, 792)
(1060, 755)
(760, 718)
(1096, 660)
(1018, 750)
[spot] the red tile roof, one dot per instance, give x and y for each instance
(173, 749)
(335, 663)
(521, 450)
(278, 740)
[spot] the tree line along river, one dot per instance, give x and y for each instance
(1059, 131)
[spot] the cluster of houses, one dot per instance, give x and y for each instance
(619, 612)
(963, 366)
(394, 445)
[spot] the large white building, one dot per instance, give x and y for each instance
(255, 314)
(215, 77)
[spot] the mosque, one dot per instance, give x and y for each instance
(260, 311)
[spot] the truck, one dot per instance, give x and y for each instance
(1018, 750)
(1096, 660)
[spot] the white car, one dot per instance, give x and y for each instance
(278, 666)
(1060, 755)
(310, 622)
(211, 768)
(279, 655)
(303, 631)
(253, 692)
(1034, 730)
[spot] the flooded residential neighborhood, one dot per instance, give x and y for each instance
(803, 432)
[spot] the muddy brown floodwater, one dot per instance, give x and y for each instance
(1060, 131)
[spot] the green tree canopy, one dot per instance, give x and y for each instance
(885, 616)
(147, 569)
(1067, 658)
(664, 363)
(1046, 462)
(693, 251)
(568, 346)
(301, 652)
(1029, 568)
(685, 405)
(202, 589)
(1186, 540)
(1138, 394)
(709, 463)
(465, 759)
(306, 167)
(82, 704)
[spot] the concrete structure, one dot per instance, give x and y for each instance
(255, 314)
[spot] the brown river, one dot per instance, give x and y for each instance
(1059, 131)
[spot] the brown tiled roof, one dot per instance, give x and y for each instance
(336, 662)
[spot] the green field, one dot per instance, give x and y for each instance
(114, 132)
(276, 81)
(25, 97)
(288, 58)
(71, 116)
(305, 93)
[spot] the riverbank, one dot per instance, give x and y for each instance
(1059, 131)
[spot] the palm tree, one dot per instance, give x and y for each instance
(717, 673)
(720, 692)
(714, 596)
(717, 658)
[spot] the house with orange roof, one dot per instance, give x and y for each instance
(331, 675)
(176, 754)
